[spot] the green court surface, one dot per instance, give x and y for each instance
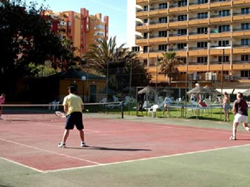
(219, 167)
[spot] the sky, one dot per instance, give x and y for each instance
(115, 9)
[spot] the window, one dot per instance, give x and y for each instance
(136, 48)
(182, 17)
(225, 59)
(182, 3)
(202, 44)
(145, 35)
(145, 62)
(163, 6)
(182, 32)
(223, 43)
(224, 13)
(163, 20)
(145, 8)
(145, 21)
(98, 33)
(245, 10)
(99, 27)
(245, 58)
(245, 26)
(202, 30)
(162, 47)
(245, 73)
(202, 1)
(202, 59)
(202, 15)
(145, 49)
(181, 46)
(224, 28)
(162, 33)
(245, 41)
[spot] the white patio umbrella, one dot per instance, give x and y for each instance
(147, 90)
(247, 92)
(199, 90)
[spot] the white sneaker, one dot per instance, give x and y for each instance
(83, 144)
(62, 145)
(232, 138)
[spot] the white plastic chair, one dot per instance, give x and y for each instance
(153, 110)
(54, 105)
(104, 100)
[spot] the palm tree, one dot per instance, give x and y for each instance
(105, 58)
(169, 65)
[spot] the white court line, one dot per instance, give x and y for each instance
(36, 148)
(196, 129)
(8, 160)
(146, 159)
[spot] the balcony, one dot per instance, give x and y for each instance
(240, 33)
(158, 25)
(142, 27)
(198, 21)
(139, 2)
(141, 41)
(218, 19)
(194, 7)
(142, 14)
(158, 12)
(157, 39)
(176, 38)
(225, 34)
(194, 36)
(241, 17)
(192, 68)
(221, 4)
(241, 2)
(240, 49)
(175, 23)
(178, 10)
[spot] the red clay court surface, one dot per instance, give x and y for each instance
(34, 144)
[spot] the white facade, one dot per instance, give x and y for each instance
(131, 16)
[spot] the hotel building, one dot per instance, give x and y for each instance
(211, 37)
(81, 28)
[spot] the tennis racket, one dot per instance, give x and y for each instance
(60, 114)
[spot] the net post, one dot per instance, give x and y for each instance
(122, 109)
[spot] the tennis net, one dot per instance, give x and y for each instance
(46, 112)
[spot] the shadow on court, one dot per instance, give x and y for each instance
(108, 148)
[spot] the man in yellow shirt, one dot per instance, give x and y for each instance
(73, 107)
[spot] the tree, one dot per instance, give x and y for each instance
(169, 65)
(26, 37)
(105, 58)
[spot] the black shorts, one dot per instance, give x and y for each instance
(74, 119)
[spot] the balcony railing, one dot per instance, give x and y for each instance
(239, 29)
(219, 16)
(241, 45)
(174, 35)
(157, 8)
(217, 62)
(156, 22)
(196, 33)
(157, 36)
(197, 18)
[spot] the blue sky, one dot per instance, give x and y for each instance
(115, 9)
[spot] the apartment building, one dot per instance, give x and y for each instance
(211, 37)
(81, 28)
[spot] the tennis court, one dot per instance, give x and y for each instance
(135, 151)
